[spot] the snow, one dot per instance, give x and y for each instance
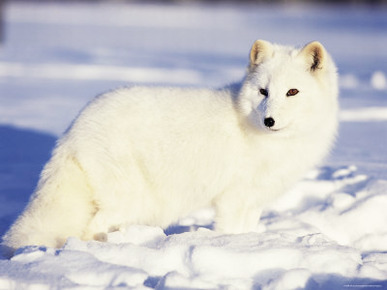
(378, 80)
(328, 232)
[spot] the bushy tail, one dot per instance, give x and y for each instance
(60, 207)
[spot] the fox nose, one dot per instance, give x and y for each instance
(269, 122)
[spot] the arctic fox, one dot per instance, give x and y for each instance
(150, 155)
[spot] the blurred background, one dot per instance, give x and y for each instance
(57, 55)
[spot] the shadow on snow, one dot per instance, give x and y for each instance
(23, 153)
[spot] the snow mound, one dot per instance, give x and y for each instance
(99, 72)
(326, 229)
(348, 81)
(378, 80)
(366, 114)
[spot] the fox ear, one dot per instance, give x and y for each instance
(314, 55)
(260, 50)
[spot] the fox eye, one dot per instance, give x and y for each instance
(264, 92)
(292, 92)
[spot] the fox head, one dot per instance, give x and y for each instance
(287, 90)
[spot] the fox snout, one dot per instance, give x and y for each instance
(269, 122)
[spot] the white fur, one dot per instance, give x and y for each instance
(147, 155)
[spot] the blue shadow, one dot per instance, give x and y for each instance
(23, 153)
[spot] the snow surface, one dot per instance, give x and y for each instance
(328, 232)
